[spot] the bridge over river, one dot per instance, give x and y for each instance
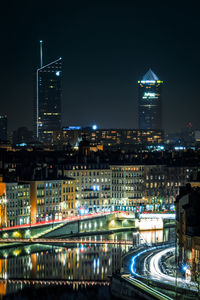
(87, 224)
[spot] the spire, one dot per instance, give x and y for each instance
(150, 75)
(41, 58)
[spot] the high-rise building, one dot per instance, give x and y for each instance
(149, 102)
(3, 127)
(47, 102)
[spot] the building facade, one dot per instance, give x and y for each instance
(109, 138)
(162, 185)
(36, 201)
(93, 187)
(188, 229)
(127, 186)
(18, 203)
(149, 102)
(47, 102)
(147, 187)
(3, 206)
(52, 199)
(3, 128)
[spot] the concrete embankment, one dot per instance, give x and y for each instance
(122, 287)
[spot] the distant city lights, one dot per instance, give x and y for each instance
(94, 127)
(179, 148)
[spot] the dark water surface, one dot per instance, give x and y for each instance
(90, 262)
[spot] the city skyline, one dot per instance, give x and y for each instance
(105, 51)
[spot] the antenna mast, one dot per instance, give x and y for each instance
(41, 63)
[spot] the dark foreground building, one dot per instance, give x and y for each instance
(188, 229)
(149, 102)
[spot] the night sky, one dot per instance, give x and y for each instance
(106, 48)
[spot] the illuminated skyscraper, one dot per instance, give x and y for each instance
(149, 102)
(47, 103)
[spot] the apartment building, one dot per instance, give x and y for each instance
(149, 187)
(52, 199)
(92, 184)
(127, 186)
(35, 201)
(18, 203)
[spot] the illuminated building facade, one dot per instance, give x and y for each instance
(127, 186)
(109, 137)
(92, 184)
(3, 127)
(3, 200)
(18, 203)
(51, 199)
(47, 103)
(149, 102)
(34, 201)
(149, 187)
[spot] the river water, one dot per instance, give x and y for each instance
(77, 262)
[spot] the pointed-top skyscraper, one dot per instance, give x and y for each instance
(47, 100)
(149, 102)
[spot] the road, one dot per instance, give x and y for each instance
(147, 263)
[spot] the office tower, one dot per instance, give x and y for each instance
(149, 102)
(3, 127)
(47, 102)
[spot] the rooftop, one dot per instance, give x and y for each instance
(150, 75)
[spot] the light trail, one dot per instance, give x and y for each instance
(66, 220)
(133, 262)
(155, 268)
(158, 274)
(90, 216)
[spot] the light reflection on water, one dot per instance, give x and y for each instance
(72, 262)
(85, 262)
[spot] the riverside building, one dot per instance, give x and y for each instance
(93, 187)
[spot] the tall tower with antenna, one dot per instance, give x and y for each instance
(47, 99)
